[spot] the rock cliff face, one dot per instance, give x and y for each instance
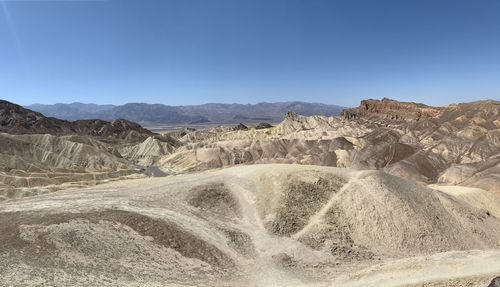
(391, 109)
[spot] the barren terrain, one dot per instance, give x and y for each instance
(388, 194)
(260, 225)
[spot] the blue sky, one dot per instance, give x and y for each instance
(248, 51)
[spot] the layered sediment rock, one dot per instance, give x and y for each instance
(391, 109)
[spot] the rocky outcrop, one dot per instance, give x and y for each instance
(391, 109)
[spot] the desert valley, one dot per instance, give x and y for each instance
(385, 194)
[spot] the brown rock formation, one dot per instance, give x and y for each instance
(391, 109)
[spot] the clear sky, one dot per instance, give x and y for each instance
(197, 51)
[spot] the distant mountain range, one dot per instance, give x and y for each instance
(207, 113)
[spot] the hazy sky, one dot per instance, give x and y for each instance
(247, 51)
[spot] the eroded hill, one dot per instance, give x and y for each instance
(352, 206)
(40, 154)
(458, 144)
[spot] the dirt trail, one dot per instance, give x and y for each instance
(265, 270)
(319, 216)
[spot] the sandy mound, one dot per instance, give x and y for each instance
(393, 216)
(376, 213)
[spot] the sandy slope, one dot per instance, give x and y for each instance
(474, 196)
(260, 225)
(444, 269)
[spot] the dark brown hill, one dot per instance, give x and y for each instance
(15, 119)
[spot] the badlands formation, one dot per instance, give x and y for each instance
(388, 194)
